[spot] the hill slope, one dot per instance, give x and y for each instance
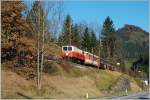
(59, 80)
(66, 83)
(132, 32)
(135, 41)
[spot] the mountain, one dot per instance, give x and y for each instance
(132, 32)
(135, 41)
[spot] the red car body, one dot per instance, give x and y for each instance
(77, 54)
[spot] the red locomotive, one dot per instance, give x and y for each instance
(77, 55)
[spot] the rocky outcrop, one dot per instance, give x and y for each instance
(122, 84)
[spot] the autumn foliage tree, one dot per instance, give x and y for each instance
(13, 27)
(12, 19)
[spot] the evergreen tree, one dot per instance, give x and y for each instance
(109, 38)
(93, 40)
(86, 40)
(76, 39)
(66, 35)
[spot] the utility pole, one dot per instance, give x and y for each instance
(70, 33)
(99, 49)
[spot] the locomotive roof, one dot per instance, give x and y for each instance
(91, 54)
(69, 46)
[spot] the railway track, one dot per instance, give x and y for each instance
(104, 64)
(72, 63)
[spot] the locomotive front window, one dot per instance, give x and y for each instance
(65, 48)
(69, 48)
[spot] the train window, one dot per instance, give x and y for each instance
(69, 48)
(65, 48)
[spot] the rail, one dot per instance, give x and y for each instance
(59, 59)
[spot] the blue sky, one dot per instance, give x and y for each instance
(125, 12)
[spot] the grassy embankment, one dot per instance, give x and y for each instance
(60, 83)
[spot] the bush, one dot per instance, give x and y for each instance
(53, 68)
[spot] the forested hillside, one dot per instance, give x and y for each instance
(135, 47)
(135, 41)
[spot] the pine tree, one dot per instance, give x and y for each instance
(76, 39)
(109, 38)
(86, 40)
(66, 35)
(93, 39)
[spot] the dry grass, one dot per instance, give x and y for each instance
(13, 84)
(105, 79)
(53, 87)
(71, 87)
(71, 83)
(49, 48)
(135, 87)
(52, 49)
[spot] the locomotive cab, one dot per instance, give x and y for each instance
(66, 51)
(72, 53)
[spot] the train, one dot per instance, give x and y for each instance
(76, 55)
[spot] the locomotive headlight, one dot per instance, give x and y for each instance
(67, 54)
(118, 64)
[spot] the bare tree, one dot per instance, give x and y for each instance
(55, 20)
(38, 19)
(48, 7)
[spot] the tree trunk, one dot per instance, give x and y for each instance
(38, 62)
(42, 59)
